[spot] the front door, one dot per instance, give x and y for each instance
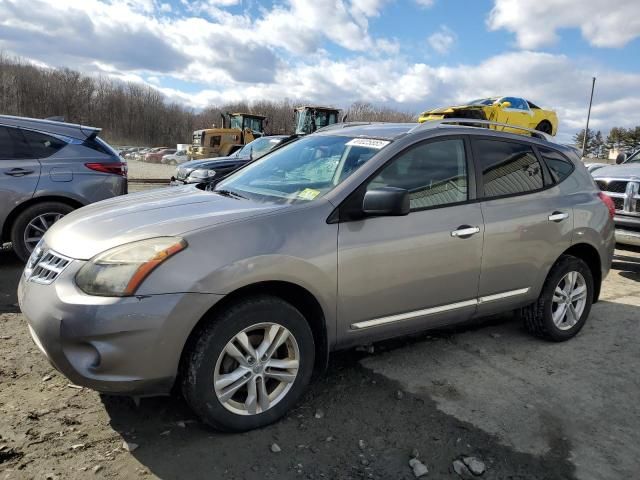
(398, 274)
(19, 172)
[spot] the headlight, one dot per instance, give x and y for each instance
(120, 271)
(202, 173)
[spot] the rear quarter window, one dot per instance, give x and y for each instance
(559, 166)
(42, 145)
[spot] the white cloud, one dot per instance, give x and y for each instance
(280, 53)
(425, 3)
(535, 23)
(442, 40)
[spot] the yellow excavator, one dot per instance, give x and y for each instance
(309, 118)
(237, 130)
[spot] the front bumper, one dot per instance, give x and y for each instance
(627, 237)
(129, 345)
(627, 229)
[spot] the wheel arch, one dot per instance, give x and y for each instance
(11, 218)
(589, 254)
(298, 296)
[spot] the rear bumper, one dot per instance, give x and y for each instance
(128, 345)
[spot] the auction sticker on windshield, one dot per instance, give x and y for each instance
(308, 194)
(368, 142)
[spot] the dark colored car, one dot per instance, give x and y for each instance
(47, 169)
(209, 169)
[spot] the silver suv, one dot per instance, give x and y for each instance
(47, 169)
(351, 235)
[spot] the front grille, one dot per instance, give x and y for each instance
(615, 186)
(619, 203)
(47, 269)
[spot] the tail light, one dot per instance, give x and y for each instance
(606, 199)
(117, 168)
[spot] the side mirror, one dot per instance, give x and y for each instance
(505, 104)
(386, 201)
(621, 158)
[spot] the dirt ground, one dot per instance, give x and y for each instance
(527, 408)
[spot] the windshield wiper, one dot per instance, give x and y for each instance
(229, 193)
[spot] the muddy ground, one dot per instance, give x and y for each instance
(527, 408)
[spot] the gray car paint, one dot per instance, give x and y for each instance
(356, 270)
(59, 177)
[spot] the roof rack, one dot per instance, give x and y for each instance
(335, 126)
(471, 122)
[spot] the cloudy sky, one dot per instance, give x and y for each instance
(408, 54)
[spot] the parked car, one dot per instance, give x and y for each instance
(155, 155)
(622, 183)
(213, 169)
(180, 156)
(344, 237)
(507, 110)
(49, 169)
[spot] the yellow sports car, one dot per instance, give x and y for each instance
(509, 110)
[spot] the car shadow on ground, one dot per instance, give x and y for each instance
(351, 423)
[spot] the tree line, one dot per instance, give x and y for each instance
(622, 139)
(131, 113)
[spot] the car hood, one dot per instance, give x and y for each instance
(620, 171)
(204, 162)
(163, 212)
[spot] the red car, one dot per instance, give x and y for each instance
(155, 155)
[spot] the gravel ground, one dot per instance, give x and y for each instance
(526, 408)
(143, 170)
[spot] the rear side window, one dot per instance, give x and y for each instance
(559, 166)
(508, 168)
(434, 173)
(42, 145)
(13, 145)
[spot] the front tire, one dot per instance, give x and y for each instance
(250, 364)
(564, 303)
(30, 225)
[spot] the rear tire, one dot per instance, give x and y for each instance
(561, 310)
(230, 352)
(32, 223)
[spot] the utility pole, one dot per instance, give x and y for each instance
(586, 130)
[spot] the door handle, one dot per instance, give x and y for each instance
(558, 216)
(465, 231)
(18, 172)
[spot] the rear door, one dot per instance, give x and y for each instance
(528, 222)
(398, 274)
(19, 170)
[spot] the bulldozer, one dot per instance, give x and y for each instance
(237, 130)
(309, 118)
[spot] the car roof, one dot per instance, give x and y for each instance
(51, 126)
(393, 131)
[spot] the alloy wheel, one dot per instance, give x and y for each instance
(37, 227)
(256, 369)
(569, 300)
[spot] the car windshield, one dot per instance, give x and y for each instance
(259, 147)
(304, 170)
(482, 101)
